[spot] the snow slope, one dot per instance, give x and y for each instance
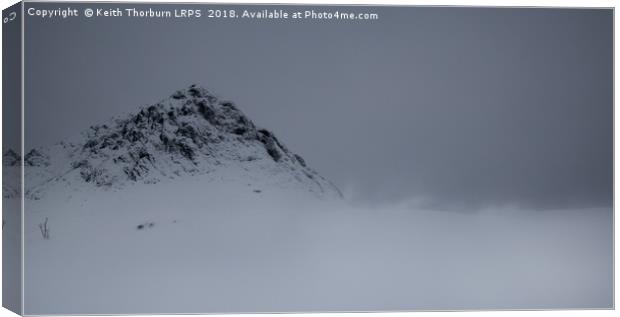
(220, 248)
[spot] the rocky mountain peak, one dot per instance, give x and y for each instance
(191, 132)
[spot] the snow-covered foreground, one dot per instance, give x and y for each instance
(222, 247)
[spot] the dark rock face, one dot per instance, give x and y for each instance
(271, 144)
(36, 158)
(185, 130)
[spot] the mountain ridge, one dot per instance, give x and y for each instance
(189, 133)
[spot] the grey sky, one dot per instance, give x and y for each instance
(464, 107)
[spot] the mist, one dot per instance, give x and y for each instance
(271, 254)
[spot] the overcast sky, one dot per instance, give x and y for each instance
(463, 107)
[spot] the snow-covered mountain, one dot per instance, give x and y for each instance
(186, 206)
(192, 132)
